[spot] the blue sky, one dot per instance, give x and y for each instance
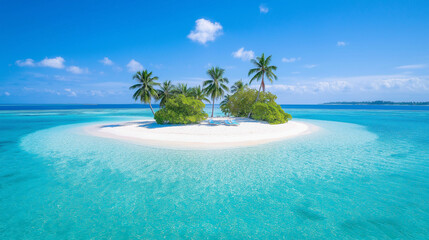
(87, 51)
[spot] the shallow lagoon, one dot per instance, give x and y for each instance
(363, 175)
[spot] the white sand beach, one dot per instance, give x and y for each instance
(203, 135)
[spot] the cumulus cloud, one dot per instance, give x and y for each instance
(57, 62)
(244, 55)
(106, 61)
(134, 66)
(76, 70)
(290, 60)
(263, 9)
(414, 66)
(341, 44)
(205, 31)
(25, 63)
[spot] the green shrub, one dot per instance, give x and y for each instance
(181, 110)
(241, 103)
(270, 112)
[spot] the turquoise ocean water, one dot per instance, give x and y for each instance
(364, 175)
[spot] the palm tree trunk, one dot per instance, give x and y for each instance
(263, 84)
(150, 105)
(213, 106)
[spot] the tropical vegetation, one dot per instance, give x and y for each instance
(215, 87)
(181, 109)
(165, 92)
(180, 104)
(145, 87)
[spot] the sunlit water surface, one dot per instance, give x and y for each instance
(364, 174)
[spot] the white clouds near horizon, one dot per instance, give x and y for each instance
(244, 55)
(357, 84)
(70, 92)
(205, 31)
(413, 66)
(134, 66)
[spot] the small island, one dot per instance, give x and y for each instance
(251, 116)
(379, 102)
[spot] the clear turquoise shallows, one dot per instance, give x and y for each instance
(363, 175)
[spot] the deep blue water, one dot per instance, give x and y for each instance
(363, 175)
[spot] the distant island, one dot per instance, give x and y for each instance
(377, 103)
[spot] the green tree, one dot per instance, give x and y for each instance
(180, 109)
(145, 87)
(262, 69)
(182, 88)
(225, 105)
(241, 103)
(270, 112)
(239, 85)
(165, 92)
(199, 94)
(215, 87)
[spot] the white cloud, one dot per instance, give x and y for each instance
(392, 84)
(96, 93)
(134, 66)
(336, 86)
(106, 61)
(7, 93)
(70, 92)
(290, 60)
(76, 70)
(244, 55)
(263, 9)
(414, 66)
(26, 63)
(310, 65)
(57, 62)
(205, 31)
(51, 91)
(341, 44)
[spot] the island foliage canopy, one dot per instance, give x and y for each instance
(180, 104)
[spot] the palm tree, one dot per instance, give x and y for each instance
(239, 85)
(183, 89)
(215, 87)
(199, 94)
(225, 102)
(165, 92)
(262, 69)
(145, 87)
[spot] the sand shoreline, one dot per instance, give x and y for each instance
(200, 136)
